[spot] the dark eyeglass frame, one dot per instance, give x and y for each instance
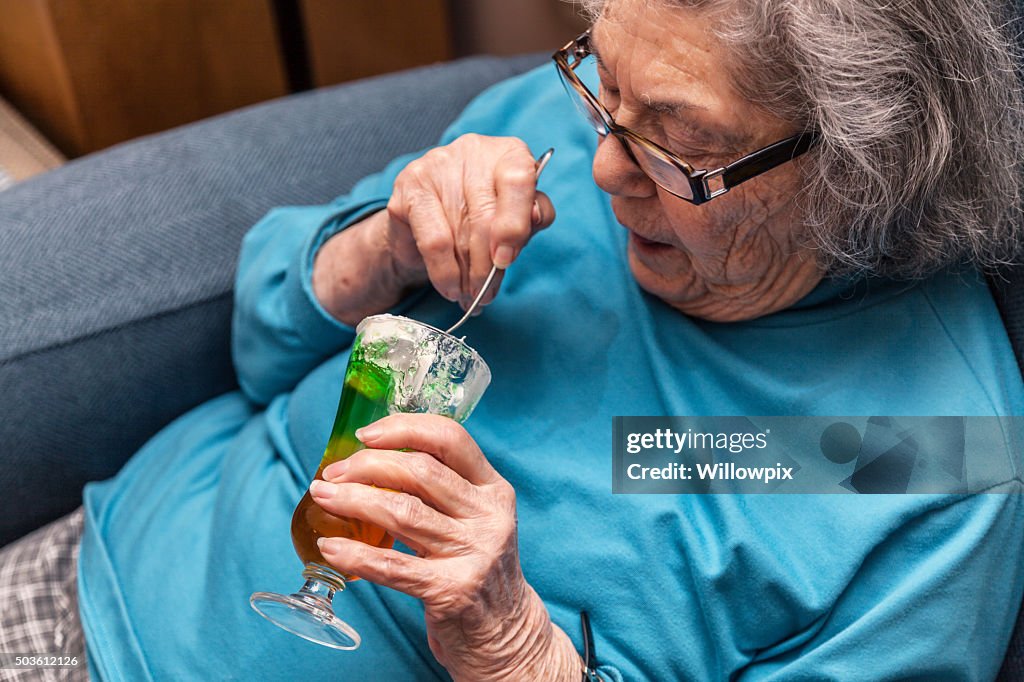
(704, 185)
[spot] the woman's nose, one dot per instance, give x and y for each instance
(616, 172)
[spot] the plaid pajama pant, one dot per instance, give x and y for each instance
(39, 602)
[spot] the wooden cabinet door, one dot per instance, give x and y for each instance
(90, 73)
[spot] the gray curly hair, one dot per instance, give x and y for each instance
(921, 119)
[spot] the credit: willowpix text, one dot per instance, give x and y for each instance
(815, 454)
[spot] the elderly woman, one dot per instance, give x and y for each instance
(791, 201)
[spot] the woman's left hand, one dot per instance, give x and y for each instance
(484, 621)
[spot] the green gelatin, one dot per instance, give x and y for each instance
(365, 399)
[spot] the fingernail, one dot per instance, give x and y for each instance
(336, 470)
(368, 432)
(327, 545)
(322, 489)
(535, 215)
(504, 255)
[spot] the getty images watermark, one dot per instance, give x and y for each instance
(890, 455)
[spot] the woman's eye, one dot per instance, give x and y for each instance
(696, 159)
(690, 153)
(684, 148)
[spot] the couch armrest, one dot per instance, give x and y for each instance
(116, 270)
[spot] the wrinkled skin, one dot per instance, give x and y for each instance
(461, 208)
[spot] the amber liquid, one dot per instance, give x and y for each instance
(364, 399)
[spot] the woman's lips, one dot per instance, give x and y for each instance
(647, 244)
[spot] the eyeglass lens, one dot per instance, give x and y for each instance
(583, 103)
(662, 171)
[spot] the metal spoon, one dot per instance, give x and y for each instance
(541, 162)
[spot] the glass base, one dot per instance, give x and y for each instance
(308, 613)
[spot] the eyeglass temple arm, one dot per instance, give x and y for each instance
(765, 159)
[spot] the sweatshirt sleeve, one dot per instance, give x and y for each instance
(279, 329)
(935, 601)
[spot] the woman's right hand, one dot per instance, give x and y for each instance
(453, 213)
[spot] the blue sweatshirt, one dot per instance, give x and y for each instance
(711, 587)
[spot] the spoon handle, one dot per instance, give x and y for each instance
(541, 162)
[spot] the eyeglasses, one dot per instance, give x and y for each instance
(666, 169)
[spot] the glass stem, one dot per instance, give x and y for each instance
(321, 583)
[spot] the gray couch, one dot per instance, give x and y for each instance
(116, 271)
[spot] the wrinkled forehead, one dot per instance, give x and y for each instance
(659, 35)
(667, 58)
(623, 9)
